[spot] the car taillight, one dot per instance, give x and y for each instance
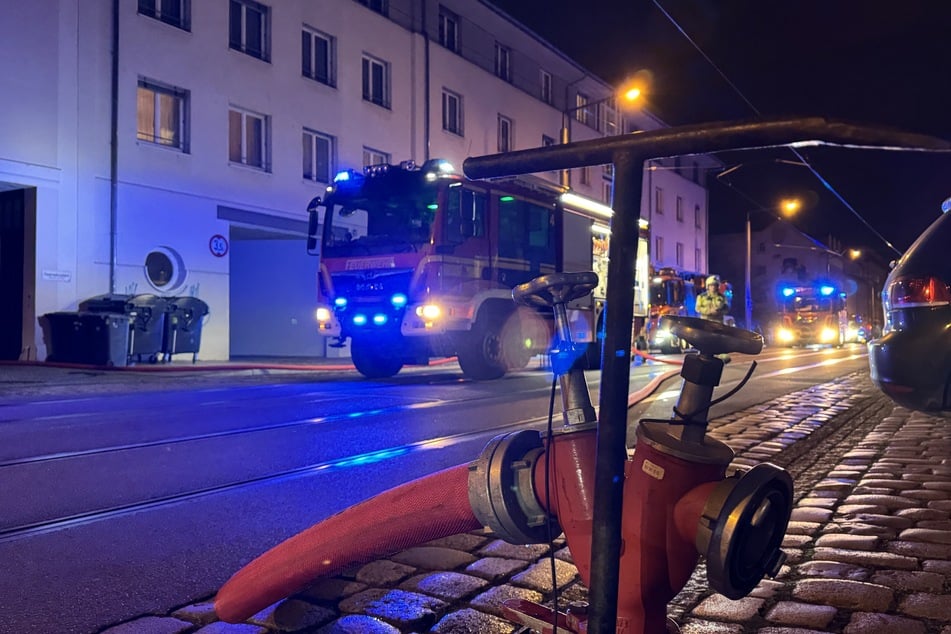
(911, 292)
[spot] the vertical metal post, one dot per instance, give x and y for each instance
(565, 139)
(749, 256)
(616, 370)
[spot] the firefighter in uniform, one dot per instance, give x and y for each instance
(712, 304)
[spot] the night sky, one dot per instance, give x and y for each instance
(843, 59)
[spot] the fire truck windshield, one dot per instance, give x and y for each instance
(376, 226)
(809, 304)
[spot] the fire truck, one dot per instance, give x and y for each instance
(672, 292)
(811, 314)
(417, 262)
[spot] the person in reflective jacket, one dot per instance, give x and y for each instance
(712, 304)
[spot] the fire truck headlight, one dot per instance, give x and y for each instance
(323, 315)
(662, 335)
(828, 334)
(785, 335)
(429, 312)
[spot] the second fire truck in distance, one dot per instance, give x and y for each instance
(419, 262)
(813, 313)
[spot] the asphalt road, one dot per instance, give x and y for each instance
(149, 495)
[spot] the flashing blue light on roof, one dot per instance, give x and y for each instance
(825, 289)
(398, 300)
(789, 292)
(342, 176)
(360, 320)
(379, 319)
(340, 302)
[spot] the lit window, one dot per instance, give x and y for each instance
(249, 31)
(546, 87)
(162, 115)
(503, 62)
(452, 112)
(375, 157)
(449, 29)
(317, 154)
(581, 107)
(248, 138)
(174, 12)
(318, 56)
(505, 134)
(376, 81)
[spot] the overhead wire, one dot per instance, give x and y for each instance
(825, 182)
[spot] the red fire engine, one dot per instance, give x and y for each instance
(418, 262)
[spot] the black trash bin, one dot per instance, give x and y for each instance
(86, 337)
(149, 314)
(147, 323)
(183, 326)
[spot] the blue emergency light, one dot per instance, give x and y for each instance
(789, 292)
(826, 290)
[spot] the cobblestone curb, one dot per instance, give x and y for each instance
(869, 543)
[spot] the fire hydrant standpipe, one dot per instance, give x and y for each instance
(667, 486)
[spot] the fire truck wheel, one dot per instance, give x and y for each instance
(373, 359)
(481, 354)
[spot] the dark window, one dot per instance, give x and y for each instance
(525, 231)
(317, 56)
(174, 12)
(248, 28)
(380, 6)
(452, 112)
(465, 215)
(376, 81)
(449, 29)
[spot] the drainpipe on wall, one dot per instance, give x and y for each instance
(426, 107)
(114, 149)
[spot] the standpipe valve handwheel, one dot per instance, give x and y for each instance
(557, 288)
(711, 337)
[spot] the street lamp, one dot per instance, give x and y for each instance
(788, 207)
(629, 95)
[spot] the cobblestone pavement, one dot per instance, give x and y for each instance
(869, 543)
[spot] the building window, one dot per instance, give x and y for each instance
(317, 154)
(581, 108)
(249, 31)
(606, 187)
(680, 254)
(505, 134)
(503, 62)
(451, 112)
(248, 138)
(659, 250)
(609, 170)
(174, 12)
(680, 209)
(696, 217)
(659, 200)
(585, 175)
(162, 115)
(318, 56)
(697, 260)
(546, 87)
(376, 81)
(380, 6)
(449, 29)
(375, 157)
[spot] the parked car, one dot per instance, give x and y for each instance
(911, 361)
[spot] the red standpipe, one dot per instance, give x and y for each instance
(664, 497)
(417, 512)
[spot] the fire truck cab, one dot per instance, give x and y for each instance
(418, 262)
(811, 314)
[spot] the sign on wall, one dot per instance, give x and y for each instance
(218, 245)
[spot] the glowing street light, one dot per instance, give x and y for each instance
(629, 95)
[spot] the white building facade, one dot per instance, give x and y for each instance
(171, 146)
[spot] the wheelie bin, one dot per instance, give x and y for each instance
(183, 327)
(87, 337)
(147, 315)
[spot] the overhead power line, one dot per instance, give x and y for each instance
(825, 183)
